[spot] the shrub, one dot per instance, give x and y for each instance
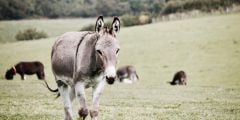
(91, 27)
(132, 20)
(30, 34)
(145, 19)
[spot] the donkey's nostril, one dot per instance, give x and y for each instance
(110, 80)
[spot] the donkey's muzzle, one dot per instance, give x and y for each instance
(110, 74)
(9, 77)
(110, 80)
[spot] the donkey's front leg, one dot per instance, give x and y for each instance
(80, 93)
(22, 76)
(97, 91)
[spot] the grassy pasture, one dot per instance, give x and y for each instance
(206, 48)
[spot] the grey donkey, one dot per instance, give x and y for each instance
(179, 78)
(85, 59)
(127, 74)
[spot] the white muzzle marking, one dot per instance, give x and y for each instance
(110, 72)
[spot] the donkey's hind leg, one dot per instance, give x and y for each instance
(64, 92)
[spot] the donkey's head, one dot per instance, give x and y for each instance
(107, 47)
(10, 73)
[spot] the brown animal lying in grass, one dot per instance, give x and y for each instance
(26, 68)
(180, 78)
(127, 74)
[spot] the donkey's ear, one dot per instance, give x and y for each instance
(99, 24)
(115, 26)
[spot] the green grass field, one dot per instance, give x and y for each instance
(207, 48)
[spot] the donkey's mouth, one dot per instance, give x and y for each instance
(9, 78)
(110, 80)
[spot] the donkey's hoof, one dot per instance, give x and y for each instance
(83, 113)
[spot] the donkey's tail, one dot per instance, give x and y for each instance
(52, 90)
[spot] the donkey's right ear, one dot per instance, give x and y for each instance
(99, 24)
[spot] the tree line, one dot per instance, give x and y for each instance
(21, 9)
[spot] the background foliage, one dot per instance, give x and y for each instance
(30, 34)
(16, 9)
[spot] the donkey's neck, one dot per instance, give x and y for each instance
(98, 67)
(97, 63)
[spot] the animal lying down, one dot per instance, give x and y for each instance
(127, 74)
(26, 68)
(180, 78)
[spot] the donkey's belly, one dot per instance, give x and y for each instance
(63, 67)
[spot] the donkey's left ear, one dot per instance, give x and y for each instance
(115, 28)
(99, 24)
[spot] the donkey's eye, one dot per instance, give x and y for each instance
(117, 51)
(99, 52)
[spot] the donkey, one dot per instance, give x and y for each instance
(127, 74)
(85, 59)
(26, 68)
(179, 78)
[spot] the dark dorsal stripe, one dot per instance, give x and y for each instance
(79, 43)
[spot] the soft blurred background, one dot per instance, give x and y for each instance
(158, 37)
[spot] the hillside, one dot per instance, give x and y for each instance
(206, 48)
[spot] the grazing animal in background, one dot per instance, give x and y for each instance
(26, 68)
(85, 59)
(127, 74)
(179, 78)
